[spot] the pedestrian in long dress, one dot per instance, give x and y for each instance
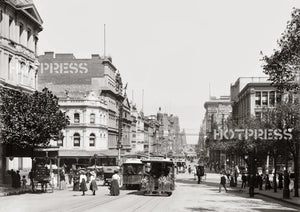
(115, 188)
(244, 180)
(93, 185)
(18, 179)
(280, 181)
(13, 178)
(76, 183)
(260, 181)
(24, 182)
(62, 178)
(31, 177)
(82, 181)
(222, 183)
(268, 183)
(195, 172)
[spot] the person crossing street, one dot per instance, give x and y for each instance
(222, 182)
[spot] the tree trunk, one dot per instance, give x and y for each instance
(286, 190)
(251, 177)
(32, 159)
(275, 173)
(296, 165)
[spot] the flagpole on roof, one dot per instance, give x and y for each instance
(104, 42)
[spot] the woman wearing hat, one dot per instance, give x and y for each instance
(114, 188)
(82, 181)
(93, 185)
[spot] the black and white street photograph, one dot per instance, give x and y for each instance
(149, 105)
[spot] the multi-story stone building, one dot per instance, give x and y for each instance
(170, 139)
(133, 129)
(217, 111)
(87, 133)
(20, 24)
(126, 126)
(151, 134)
(63, 73)
(250, 95)
(137, 129)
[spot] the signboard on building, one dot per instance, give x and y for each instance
(68, 70)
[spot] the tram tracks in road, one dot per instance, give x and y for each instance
(85, 204)
(93, 204)
(140, 204)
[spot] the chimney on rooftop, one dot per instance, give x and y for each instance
(65, 56)
(96, 56)
(49, 54)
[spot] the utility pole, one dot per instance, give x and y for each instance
(104, 42)
(120, 134)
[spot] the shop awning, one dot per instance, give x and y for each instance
(86, 153)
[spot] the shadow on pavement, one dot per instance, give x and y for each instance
(199, 209)
(187, 181)
(141, 193)
(274, 210)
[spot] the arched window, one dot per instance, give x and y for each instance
(76, 139)
(76, 118)
(92, 118)
(92, 139)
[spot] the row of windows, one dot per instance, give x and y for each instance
(266, 98)
(25, 36)
(77, 139)
(92, 118)
(17, 70)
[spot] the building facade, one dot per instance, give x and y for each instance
(87, 132)
(20, 24)
(169, 134)
(250, 95)
(217, 110)
(98, 86)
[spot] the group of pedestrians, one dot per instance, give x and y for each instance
(16, 181)
(197, 171)
(82, 180)
(262, 181)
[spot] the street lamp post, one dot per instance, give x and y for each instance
(95, 157)
(249, 160)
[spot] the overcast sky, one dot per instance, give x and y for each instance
(172, 49)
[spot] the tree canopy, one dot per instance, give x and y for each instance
(283, 65)
(30, 120)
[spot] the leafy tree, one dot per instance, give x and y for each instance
(273, 119)
(30, 120)
(283, 65)
(249, 146)
(283, 70)
(290, 115)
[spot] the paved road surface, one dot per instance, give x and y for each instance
(188, 196)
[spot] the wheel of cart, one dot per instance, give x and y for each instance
(43, 186)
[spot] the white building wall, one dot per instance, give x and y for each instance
(85, 128)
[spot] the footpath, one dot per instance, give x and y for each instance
(7, 190)
(265, 193)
